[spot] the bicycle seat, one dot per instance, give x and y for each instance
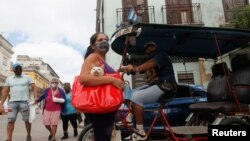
(222, 107)
(217, 89)
(240, 78)
(219, 96)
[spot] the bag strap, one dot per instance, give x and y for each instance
(53, 93)
(102, 62)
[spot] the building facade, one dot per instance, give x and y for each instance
(37, 63)
(210, 13)
(34, 67)
(38, 70)
(5, 59)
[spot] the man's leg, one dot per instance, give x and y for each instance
(10, 129)
(139, 112)
(139, 98)
(139, 133)
(13, 108)
(28, 128)
(25, 111)
(128, 103)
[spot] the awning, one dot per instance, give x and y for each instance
(178, 40)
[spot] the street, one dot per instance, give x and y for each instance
(38, 132)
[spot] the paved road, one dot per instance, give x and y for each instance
(39, 133)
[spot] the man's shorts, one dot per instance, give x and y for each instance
(18, 106)
(146, 94)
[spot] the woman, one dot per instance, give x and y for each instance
(52, 108)
(69, 115)
(95, 55)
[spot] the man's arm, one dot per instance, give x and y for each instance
(5, 93)
(145, 66)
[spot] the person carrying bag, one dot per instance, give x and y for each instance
(97, 89)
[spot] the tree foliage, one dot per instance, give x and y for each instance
(242, 18)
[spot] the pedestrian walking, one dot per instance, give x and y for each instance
(70, 113)
(53, 106)
(16, 87)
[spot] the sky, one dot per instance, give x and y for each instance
(58, 31)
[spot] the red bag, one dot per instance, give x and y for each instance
(96, 99)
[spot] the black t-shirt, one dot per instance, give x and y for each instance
(163, 71)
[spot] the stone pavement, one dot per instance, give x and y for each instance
(39, 133)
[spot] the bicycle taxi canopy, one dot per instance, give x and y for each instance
(178, 40)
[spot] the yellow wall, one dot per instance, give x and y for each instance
(40, 81)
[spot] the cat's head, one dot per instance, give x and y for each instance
(97, 71)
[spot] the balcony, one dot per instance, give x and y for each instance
(171, 14)
(182, 14)
(145, 13)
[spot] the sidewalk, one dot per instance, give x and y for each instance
(38, 132)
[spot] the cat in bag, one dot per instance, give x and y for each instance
(97, 71)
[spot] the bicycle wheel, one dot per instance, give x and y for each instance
(87, 134)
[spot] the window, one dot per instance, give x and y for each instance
(230, 5)
(179, 11)
(185, 77)
(184, 15)
(5, 61)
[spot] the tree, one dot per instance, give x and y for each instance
(242, 18)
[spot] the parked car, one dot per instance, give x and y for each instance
(177, 109)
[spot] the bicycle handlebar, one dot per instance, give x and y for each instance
(128, 73)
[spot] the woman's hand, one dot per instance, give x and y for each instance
(117, 83)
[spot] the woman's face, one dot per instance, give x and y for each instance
(101, 43)
(100, 38)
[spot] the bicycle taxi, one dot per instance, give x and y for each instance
(200, 42)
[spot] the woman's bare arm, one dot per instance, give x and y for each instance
(87, 79)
